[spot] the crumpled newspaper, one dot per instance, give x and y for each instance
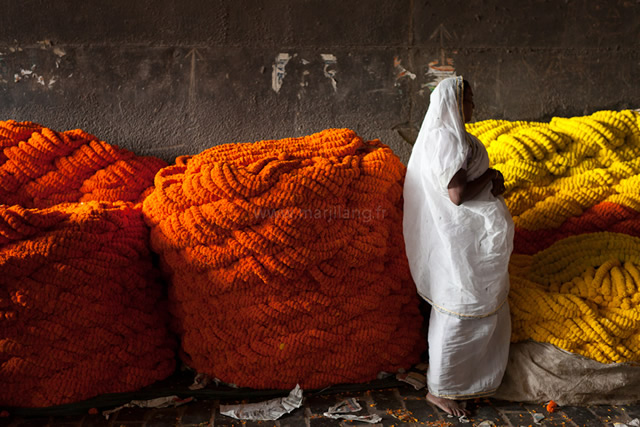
(370, 418)
(269, 410)
(159, 402)
(347, 405)
(340, 411)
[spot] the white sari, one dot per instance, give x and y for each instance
(458, 255)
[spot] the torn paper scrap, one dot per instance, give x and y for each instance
(463, 419)
(417, 379)
(347, 405)
(159, 402)
(339, 411)
(200, 381)
(269, 410)
(371, 419)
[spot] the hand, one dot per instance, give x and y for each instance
(497, 183)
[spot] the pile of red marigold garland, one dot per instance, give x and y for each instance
(287, 261)
(81, 307)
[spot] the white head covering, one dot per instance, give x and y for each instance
(458, 255)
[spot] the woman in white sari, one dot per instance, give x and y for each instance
(459, 237)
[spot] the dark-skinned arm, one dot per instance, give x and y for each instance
(461, 190)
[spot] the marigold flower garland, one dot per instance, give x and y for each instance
(40, 168)
(604, 216)
(82, 311)
(79, 304)
(287, 261)
(558, 296)
(579, 162)
(573, 188)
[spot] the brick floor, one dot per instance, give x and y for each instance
(398, 406)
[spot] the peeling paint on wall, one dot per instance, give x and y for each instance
(401, 72)
(442, 67)
(31, 74)
(59, 52)
(330, 62)
(438, 72)
(25, 74)
(303, 81)
(44, 44)
(277, 76)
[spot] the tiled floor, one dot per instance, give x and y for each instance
(398, 406)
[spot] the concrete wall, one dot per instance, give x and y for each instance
(169, 77)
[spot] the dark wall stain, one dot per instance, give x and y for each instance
(168, 77)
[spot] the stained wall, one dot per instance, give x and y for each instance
(168, 77)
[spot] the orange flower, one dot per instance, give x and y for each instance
(286, 260)
(85, 316)
(81, 308)
(41, 168)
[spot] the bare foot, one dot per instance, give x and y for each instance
(447, 405)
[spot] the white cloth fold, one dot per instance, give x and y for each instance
(467, 357)
(458, 255)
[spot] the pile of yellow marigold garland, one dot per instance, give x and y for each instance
(573, 188)
(287, 261)
(81, 306)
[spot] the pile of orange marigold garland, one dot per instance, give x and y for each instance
(287, 261)
(41, 168)
(286, 258)
(573, 188)
(81, 307)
